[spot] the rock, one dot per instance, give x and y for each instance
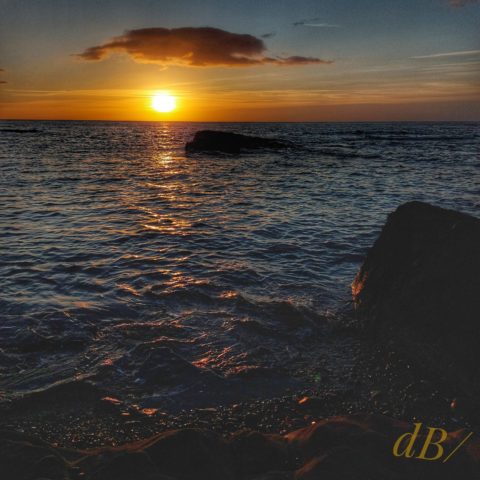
(191, 454)
(24, 457)
(419, 287)
(359, 447)
(275, 476)
(127, 466)
(356, 447)
(51, 466)
(311, 403)
(256, 453)
(217, 141)
(19, 130)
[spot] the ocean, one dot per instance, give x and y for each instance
(184, 280)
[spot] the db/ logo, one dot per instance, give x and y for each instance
(404, 446)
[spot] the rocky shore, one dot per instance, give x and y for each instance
(412, 340)
(353, 447)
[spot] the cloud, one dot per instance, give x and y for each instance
(193, 46)
(300, 23)
(461, 3)
(450, 54)
(1, 71)
(297, 60)
(314, 22)
(323, 25)
(268, 35)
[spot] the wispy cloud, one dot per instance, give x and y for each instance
(268, 35)
(322, 25)
(1, 71)
(195, 47)
(314, 22)
(449, 54)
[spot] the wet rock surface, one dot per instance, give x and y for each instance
(346, 447)
(227, 142)
(419, 288)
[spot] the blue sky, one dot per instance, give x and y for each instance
(383, 52)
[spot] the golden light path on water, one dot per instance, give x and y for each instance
(155, 270)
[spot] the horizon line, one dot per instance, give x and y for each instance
(231, 121)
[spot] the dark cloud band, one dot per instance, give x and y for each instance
(191, 46)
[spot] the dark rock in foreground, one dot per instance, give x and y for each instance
(217, 141)
(419, 286)
(357, 447)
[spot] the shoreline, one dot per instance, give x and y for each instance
(345, 421)
(80, 415)
(304, 435)
(361, 446)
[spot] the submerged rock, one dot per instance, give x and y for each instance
(217, 141)
(419, 286)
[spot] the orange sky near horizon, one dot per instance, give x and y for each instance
(274, 106)
(424, 65)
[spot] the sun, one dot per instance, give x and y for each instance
(164, 103)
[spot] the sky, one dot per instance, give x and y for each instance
(242, 60)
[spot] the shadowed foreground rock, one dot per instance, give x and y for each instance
(357, 447)
(419, 285)
(217, 141)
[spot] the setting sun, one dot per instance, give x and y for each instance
(163, 103)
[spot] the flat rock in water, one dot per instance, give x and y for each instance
(419, 286)
(217, 141)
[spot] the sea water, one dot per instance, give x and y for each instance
(160, 275)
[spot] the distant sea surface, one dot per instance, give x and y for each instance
(166, 278)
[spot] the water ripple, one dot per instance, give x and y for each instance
(155, 273)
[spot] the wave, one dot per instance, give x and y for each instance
(332, 152)
(410, 137)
